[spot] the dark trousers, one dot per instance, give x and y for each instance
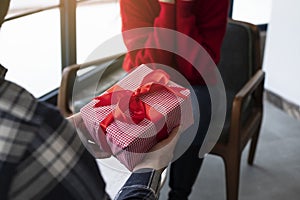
(184, 170)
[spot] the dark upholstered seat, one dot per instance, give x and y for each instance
(240, 68)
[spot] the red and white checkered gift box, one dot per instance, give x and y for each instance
(116, 124)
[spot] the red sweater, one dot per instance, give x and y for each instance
(203, 20)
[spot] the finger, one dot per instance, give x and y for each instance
(169, 142)
(174, 133)
(76, 118)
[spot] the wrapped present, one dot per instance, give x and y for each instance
(140, 110)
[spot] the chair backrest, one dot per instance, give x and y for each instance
(240, 60)
(240, 54)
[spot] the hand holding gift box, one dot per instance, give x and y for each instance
(86, 138)
(136, 113)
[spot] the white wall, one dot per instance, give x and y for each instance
(253, 11)
(282, 53)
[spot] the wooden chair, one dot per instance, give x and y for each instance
(240, 67)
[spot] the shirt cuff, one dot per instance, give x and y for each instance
(149, 178)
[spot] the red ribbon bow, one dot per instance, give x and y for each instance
(126, 99)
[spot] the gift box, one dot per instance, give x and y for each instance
(136, 113)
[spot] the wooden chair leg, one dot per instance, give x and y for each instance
(253, 147)
(232, 172)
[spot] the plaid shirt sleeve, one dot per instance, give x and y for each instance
(41, 156)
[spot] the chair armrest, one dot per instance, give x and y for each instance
(250, 86)
(64, 96)
(68, 78)
(254, 85)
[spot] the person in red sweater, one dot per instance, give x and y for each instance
(205, 22)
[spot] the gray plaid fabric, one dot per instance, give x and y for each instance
(41, 156)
